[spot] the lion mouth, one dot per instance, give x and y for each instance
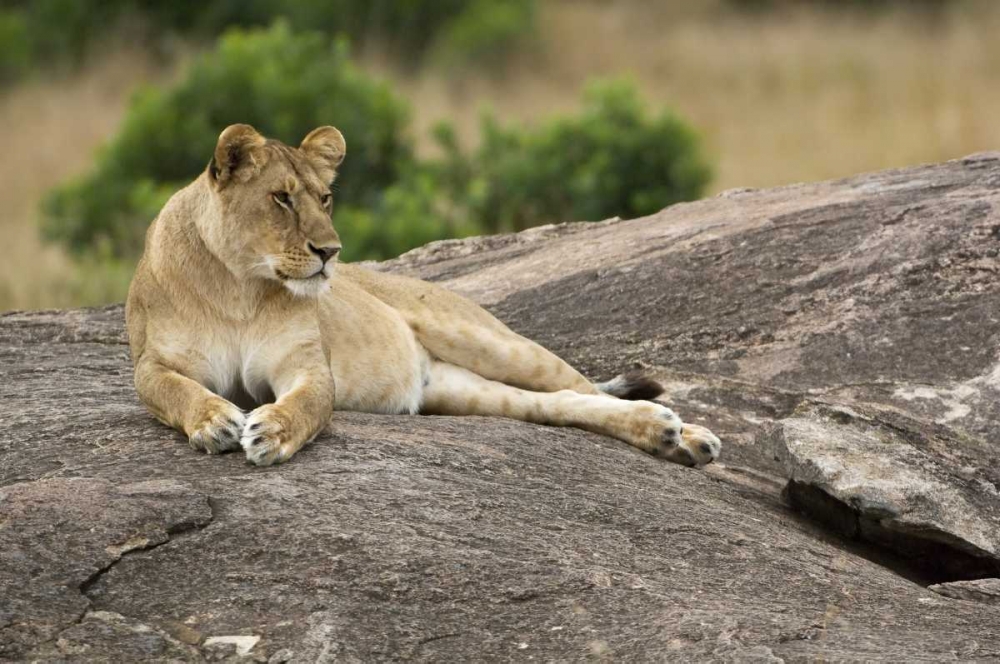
(318, 274)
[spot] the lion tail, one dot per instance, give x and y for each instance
(634, 386)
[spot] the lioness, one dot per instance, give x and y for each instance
(239, 303)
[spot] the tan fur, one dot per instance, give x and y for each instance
(238, 304)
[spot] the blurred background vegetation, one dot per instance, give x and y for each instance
(463, 116)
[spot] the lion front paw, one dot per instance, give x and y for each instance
(267, 436)
(218, 427)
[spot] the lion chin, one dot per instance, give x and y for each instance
(308, 287)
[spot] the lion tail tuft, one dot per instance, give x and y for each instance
(634, 386)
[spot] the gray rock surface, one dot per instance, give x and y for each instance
(459, 539)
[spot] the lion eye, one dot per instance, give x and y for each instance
(282, 198)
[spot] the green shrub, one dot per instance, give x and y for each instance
(410, 214)
(610, 160)
(283, 83)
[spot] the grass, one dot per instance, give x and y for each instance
(50, 131)
(800, 95)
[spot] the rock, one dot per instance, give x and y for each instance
(892, 486)
(979, 590)
(242, 644)
(58, 536)
(458, 539)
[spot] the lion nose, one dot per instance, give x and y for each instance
(324, 253)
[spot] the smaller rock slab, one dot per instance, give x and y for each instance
(986, 591)
(892, 485)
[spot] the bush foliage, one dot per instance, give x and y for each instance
(611, 159)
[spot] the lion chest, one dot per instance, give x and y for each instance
(231, 363)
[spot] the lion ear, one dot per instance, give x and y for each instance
(235, 152)
(326, 148)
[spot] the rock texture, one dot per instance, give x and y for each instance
(843, 335)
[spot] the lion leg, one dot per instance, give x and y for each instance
(305, 393)
(460, 332)
(651, 427)
(210, 422)
(496, 353)
(490, 349)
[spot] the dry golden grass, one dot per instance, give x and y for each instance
(50, 131)
(797, 96)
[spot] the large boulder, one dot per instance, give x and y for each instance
(840, 337)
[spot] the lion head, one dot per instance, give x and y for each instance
(273, 206)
